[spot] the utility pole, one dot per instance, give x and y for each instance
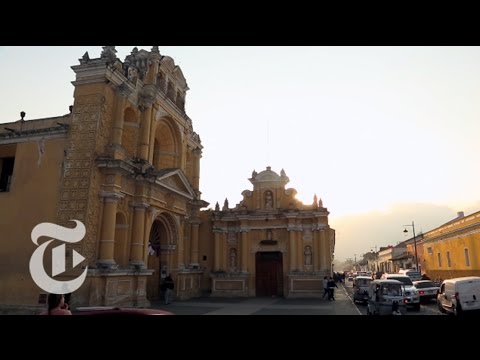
(414, 242)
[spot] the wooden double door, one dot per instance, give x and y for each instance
(269, 274)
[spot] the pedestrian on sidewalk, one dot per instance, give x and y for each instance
(169, 286)
(325, 287)
(331, 288)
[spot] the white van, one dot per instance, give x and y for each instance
(459, 295)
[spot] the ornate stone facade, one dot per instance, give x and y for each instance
(125, 162)
(270, 244)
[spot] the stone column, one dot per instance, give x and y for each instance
(300, 250)
(316, 250)
(328, 250)
(107, 235)
(145, 130)
(244, 246)
(292, 243)
(293, 250)
(181, 245)
(323, 247)
(151, 146)
(194, 250)
(122, 94)
(138, 234)
(223, 251)
(216, 255)
(197, 155)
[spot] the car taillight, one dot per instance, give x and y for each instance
(421, 292)
(405, 301)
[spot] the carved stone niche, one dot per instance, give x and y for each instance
(307, 235)
(232, 238)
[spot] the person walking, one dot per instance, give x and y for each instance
(169, 286)
(331, 288)
(325, 287)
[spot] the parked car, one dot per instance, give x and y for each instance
(427, 290)
(412, 274)
(459, 295)
(116, 311)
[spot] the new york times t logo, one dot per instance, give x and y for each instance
(37, 271)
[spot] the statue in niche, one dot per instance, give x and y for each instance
(308, 255)
(132, 74)
(269, 234)
(320, 203)
(233, 258)
(268, 200)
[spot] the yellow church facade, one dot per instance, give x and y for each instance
(125, 161)
(270, 244)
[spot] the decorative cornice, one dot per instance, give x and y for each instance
(197, 152)
(115, 164)
(139, 205)
(111, 195)
(17, 136)
(453, 234)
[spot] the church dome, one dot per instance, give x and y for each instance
(269, 177)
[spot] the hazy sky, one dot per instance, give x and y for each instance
(384, 135)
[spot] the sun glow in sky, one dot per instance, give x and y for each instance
(383, 135)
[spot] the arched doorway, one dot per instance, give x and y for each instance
(269, 274)
(162, 239)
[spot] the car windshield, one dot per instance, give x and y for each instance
(392, 289)
(426, 284)
(414, 275)
(406, 280)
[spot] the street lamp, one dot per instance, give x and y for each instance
(414, 242)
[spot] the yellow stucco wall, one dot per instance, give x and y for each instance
(32, 199)
(453, 238)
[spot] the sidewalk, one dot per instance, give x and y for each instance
(263, 306)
